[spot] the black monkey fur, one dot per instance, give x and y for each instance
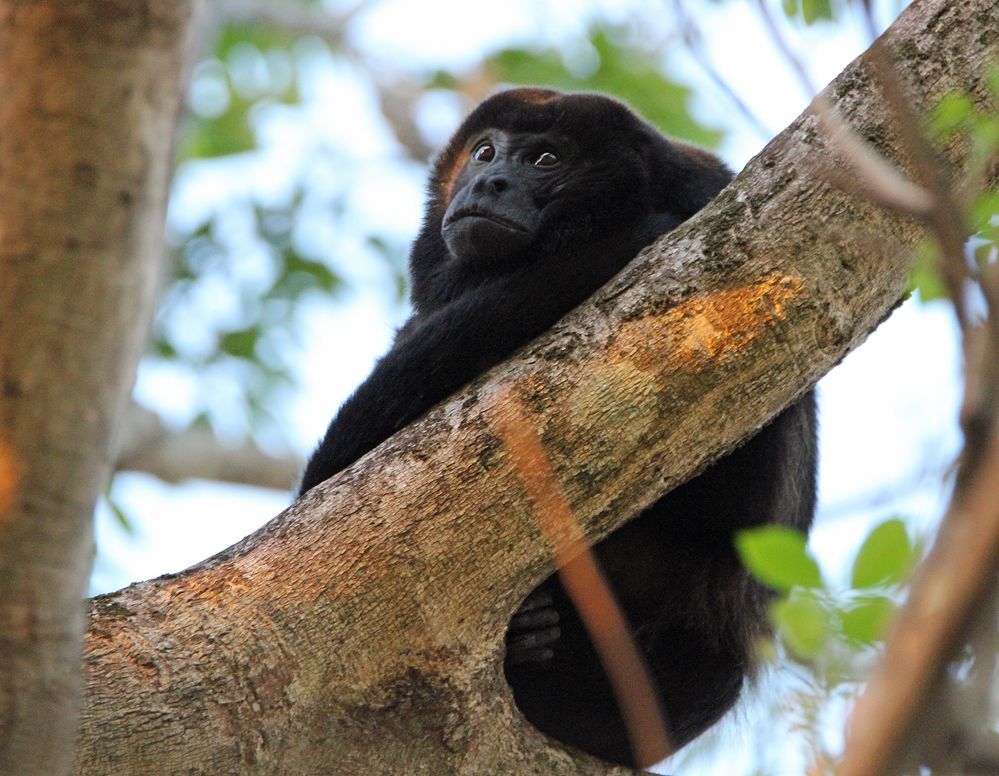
(539, 199)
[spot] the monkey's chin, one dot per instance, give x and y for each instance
(481, 239)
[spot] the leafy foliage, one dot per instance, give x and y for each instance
(245, 320)
(803, 623)
(809, 11)
(814, 621)
(924, 277)
(865, 619)
(884, 558)
(777, 556)
(251, 64)
(955, 119)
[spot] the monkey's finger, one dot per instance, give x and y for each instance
(539, 599)
(542, 655)
(533, 620)
(526, 642)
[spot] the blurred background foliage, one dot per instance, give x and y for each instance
(243, 264)
(242, 267)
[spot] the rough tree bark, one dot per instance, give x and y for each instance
(89, 92)
(362, 629)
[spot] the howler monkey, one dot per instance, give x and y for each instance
(539, 199)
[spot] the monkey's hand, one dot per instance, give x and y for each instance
(533, 631)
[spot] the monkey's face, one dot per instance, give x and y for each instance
(500, 194)
(534, 175)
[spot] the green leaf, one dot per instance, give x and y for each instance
(983, 210)
(442, 79)
(813, 10)
(791, 8)
(242, 343)
(925, 275)
(119, 515)
(777, 556)
(985, 135)
(950, 114)
(229, 133)
(866, 619)
(993, 81)
(321, 275)
(263, 36)
(164, 349)
(985, 254)
(803, 624)
(885, 556)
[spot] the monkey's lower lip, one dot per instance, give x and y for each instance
(499, 220)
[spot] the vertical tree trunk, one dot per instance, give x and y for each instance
(89, 92)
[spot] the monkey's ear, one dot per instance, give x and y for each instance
(684, 177)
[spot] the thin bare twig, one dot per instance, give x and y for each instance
(877, 178)
(960, 571)
(584, 582)
(944, 217)
(694, 40)
(873, 28)
(797, 66)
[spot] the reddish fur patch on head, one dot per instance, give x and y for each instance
(535, 96)
(448, 177)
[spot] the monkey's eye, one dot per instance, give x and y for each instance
(484, 152)
(546, 159)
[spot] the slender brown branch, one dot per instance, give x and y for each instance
(875, 177)
(797, 66)
(932, 624)
(960, 572)
(147, 444)
(585, 584)
(944, 216)
(692, 37)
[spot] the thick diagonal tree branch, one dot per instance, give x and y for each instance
(362, 630)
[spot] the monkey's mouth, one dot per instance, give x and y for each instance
(477, 212)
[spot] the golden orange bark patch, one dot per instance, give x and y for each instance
(10, 476)
(709, 327)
